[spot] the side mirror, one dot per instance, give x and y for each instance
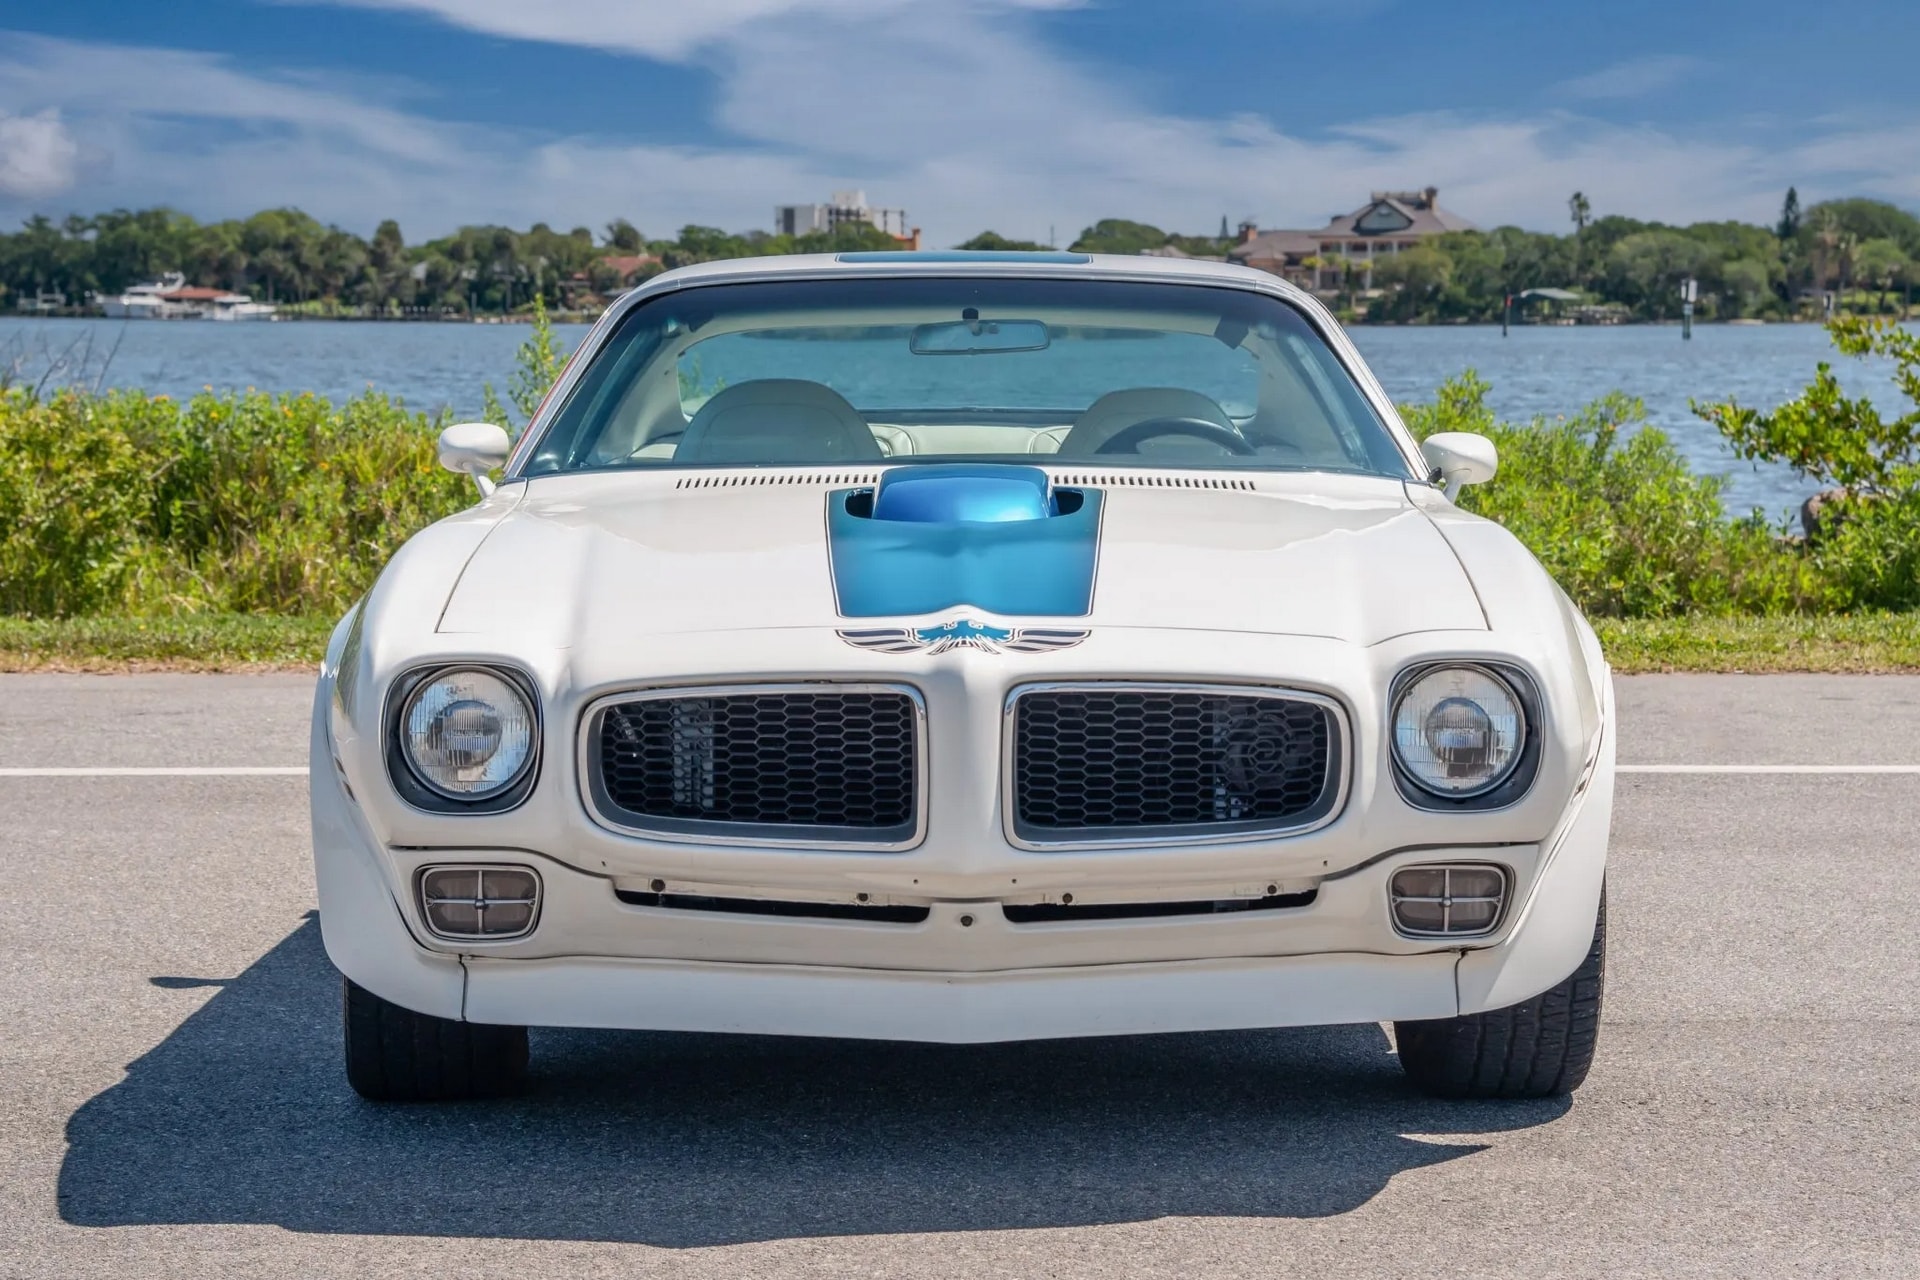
(473, 449)
(1460, 458)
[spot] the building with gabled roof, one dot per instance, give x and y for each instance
(1390, 222)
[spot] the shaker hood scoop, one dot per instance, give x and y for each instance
(998, 538)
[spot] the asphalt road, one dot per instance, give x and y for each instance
(171, 1102)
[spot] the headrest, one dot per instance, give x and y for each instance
(775, 420)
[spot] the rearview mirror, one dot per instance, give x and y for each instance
(473, 449)
(978, 337)
(1460, 458)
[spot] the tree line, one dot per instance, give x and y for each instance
(287, 257)
(1865, 252)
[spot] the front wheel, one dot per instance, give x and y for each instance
(397, 1055)
(1539, 1048)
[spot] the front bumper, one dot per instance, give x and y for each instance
(965, 973)
(961, 1008)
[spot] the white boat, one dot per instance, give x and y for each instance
(238, 306)
(172, 298)
(145, 301)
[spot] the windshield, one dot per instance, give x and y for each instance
(830, 372)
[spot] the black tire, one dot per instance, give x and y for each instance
(397, 1055)
(1539, 1048)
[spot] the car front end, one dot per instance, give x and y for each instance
(687, 749)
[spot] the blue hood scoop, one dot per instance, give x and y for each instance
(999, 538)
(964, 494)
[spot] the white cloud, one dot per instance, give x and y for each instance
(956, 112)
(38, 157)
(120, 83)
(1634, 78)
(1884, 156)
(660, 28)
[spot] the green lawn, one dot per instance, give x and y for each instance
(242, 642)
(1860, 643)
(192, 642)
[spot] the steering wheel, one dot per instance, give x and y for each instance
(1128, 439)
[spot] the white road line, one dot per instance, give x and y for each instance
(224, 771)
(1769, 768)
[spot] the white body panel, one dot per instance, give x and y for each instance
(595, 583)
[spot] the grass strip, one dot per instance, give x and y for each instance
(1863, 643)
(185, 642)
(1858, 643)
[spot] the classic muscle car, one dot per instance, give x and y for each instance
(964, 648)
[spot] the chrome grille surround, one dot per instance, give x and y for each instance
(1327, 806)
(605, 811)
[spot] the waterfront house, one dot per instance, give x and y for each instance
(1390, 222)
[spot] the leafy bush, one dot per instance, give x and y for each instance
(1871, 551)
(1611, 509)
(1867, 543)
(1826, 436)
(232, 503)
(71, 493)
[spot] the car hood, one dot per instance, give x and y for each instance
(623, 555)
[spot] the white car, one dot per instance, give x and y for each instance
(964, 648)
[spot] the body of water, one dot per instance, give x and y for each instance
(1535, 370)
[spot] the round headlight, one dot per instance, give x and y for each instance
(467, 734)
(1457, 731)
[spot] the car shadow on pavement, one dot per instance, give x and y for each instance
(242, 1115)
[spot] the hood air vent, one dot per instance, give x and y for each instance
(832, 479)
(1121, 480)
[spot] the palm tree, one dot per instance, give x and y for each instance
(1582, 211)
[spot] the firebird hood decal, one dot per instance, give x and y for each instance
(963, 633)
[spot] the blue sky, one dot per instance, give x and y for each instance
(1018, 115)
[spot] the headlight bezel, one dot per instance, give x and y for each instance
(404, 775)
(1508, 790)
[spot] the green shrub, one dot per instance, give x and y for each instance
(1868, 544)
(228, 503)
(1612, 510)
(72, 494)
(1825, 436)
(1869, 547)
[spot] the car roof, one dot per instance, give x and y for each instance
(1046, 264)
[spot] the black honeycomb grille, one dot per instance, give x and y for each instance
(830, 761)
(1104, 761)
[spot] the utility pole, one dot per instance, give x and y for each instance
(1506, 314)
(1689, 292)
